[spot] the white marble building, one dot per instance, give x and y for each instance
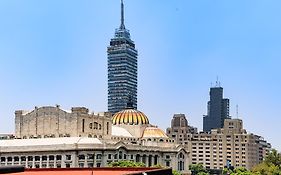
(49, 137)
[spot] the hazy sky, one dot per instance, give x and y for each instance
(54, 52)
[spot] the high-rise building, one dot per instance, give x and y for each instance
(122, 69)
(218, 110)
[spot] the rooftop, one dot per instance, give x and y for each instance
(93, 171)
(49, 141)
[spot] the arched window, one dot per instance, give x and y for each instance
(95, 125)
(181, 161)
(137, 158)
(120, 155)
(180, 165)
(180, 156)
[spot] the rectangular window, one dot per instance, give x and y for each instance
(167, 163)
(107, 128)
(3, 159)
(68, 157)
(83, 125)
(91, 156)
(58, 157)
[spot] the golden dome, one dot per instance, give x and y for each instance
(130, 116)
(152, 132)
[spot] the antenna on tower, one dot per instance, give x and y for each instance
(218, 83)
(122, 26)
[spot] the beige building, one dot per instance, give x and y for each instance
(51, 137)
(51, 122)
(228, 146)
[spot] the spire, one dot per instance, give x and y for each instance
(122, 26)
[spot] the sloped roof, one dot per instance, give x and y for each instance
(49, 141)
(121, 132)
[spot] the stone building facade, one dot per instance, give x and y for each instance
(51, 122)
(180, 130)
(231, 145)
(48, 137)
(85, 152)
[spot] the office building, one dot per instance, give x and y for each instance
(122, 69)
(218, 110)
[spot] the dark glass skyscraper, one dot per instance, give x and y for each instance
(122, 69)
(218, 110)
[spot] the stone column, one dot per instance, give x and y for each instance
(94, 161)
(19, 160)
(86, 161)
(40, 163)
(146, 160)
(103, 160)
(74, 160)
(63, 161)
(33, 161)
(48, 161)
(55, 161)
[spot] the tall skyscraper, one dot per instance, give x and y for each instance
(218, 109)
(122, 69)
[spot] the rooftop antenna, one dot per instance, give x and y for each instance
(217, 81)
(122, 26)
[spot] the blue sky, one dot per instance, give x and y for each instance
(54, 52)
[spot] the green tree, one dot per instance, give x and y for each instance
(270, 166)
(176, 172)
(125, 163)
(226, 171)
(266, 169)
(241, 171)
(273, 158)
(198, 168)
(128, 164)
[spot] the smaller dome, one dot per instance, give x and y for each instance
(154, 132)
(130, 116)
